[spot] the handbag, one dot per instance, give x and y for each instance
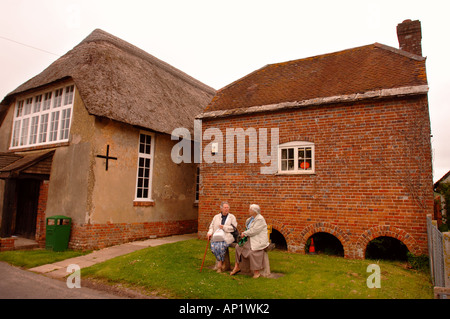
(235, 234)
(219, 235)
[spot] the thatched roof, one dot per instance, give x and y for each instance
(119, 81)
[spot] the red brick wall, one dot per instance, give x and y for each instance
(95, 236)
(6, 244)
(373, 175)
(40, 218)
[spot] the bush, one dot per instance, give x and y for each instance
(421, 263)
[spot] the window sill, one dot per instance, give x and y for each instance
(143, 203)
(295, 173)
(38, 147)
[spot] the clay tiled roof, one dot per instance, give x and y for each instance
(358, 70)
(11, 165)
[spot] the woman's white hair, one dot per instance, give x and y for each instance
(255, 208)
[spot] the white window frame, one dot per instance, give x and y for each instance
(144, 156)
(296, 146)
(197, 184)
(29, 112)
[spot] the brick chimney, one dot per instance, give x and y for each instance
(409, 35)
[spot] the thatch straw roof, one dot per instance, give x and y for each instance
(119, 81)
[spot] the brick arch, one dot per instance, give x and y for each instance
(324, 227)
(284, 230)
(387, 231)
(290, 138)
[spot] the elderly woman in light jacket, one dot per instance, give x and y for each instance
(257, 241)
(220, 235)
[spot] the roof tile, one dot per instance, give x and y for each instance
(356, 70)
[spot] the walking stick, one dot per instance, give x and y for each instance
(206, 250)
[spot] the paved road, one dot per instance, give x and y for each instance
(16, 283)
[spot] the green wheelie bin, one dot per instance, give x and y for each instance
(57, 232)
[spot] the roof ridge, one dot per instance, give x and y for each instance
(323, 55)
(99, 35)
(400, 52)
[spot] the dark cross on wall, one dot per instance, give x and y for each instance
(107, 157)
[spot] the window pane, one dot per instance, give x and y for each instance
(290, 153)
(58, 98)
(301, 153)
(144, 167)
(27, 108)
(284, 154)
(290, 165)
(34, 129)
(145, 144)
(47, 101)
(43, 128)
(24, 134)
(65, 122)
(19, 109)
(37, 104)
(68, 97)
(54, 126)
(16, 133)
(283, 165)
(308, 164)
(308, 152)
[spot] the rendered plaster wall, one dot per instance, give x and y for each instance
(68, 191)
(113, 196)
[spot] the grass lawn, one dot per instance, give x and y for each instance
(33, 258)
(172, 271)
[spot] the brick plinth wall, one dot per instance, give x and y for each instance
(96, 236)
(6, 244)
(373, 175)
(40, 218)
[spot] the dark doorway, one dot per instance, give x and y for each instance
(326, 244)
(278, 239)
(386, 248)
(27, 203)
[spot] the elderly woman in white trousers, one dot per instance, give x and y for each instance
(220, 235)
(257, 241)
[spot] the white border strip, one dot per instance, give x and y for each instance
(382, 93)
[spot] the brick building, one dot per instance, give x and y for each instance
(353, 156)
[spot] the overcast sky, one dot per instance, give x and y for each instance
(218, 42)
